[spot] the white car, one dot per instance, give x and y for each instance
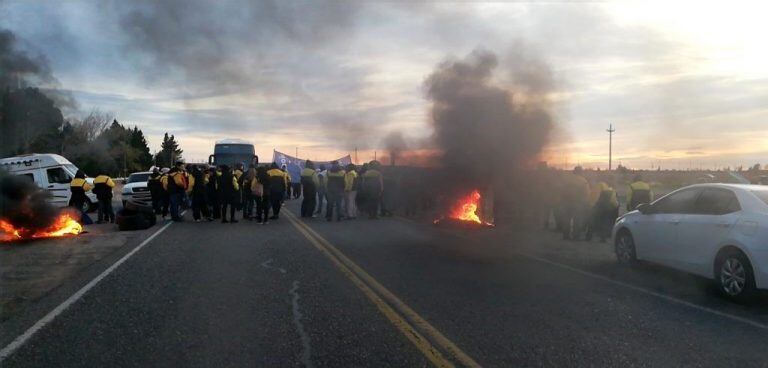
(719, 231)
(136, 188)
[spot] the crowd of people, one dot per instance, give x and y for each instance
(259, 192)
(583, 210)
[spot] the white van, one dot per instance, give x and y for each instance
(50, 172)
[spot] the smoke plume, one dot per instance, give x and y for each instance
(485, 129)
(395, 144)
(17, 68)
(23, 204)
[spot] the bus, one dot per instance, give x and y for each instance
(232, 152)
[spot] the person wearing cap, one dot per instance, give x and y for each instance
(350, 192)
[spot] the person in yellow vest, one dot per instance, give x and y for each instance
(165, 198)
(260, 190)
(309, 184)
(574, 204)
(238, 173)
(176, 186)
(102, 187)
(350, 192)
(639, 192)
(372, 188)
(277, 188)
(79, 186)
(198, 181)
(334, 191)
(604, 212)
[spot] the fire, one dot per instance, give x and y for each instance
(465, 208)
(465, 211)
(65, 224)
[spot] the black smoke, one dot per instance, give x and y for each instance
(487, 130)
(396, 144)
(17, 68)
(25, 205)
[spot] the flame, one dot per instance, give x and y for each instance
(65, 224)
(465, 208)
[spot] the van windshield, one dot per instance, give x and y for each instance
(71, 168)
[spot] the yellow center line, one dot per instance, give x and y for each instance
(351, 269)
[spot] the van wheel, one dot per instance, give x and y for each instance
(734, 276)
(625, 248)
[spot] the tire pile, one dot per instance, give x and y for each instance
(135, 216)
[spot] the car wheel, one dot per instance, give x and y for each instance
(733, 275)
(625, 248)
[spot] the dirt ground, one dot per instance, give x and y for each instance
(30, 270)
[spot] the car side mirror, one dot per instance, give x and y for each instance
(645, 208)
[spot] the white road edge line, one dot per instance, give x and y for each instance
(48, 318)
(648, 292)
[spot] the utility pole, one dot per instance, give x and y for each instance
(297, 152)
(610, 146)
(356, 161)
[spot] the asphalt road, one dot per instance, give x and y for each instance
(390, 293)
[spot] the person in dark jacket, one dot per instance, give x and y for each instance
(79, 186)
(248, 199)
(102, 187)
(372, 187)
(199, 181)
(309, 183)
(321, 189)
(155, 187)
(334, 191)
(278, 182)
(262, 201)
(228, 192)
(212, 192)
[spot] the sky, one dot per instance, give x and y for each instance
(683, 83)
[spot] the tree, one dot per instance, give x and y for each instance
(29, 121)
(169, 152)
(139, 143)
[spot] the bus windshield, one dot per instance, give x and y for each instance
(232, 154)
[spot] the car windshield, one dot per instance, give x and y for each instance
(383, 183)
(138, 178)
